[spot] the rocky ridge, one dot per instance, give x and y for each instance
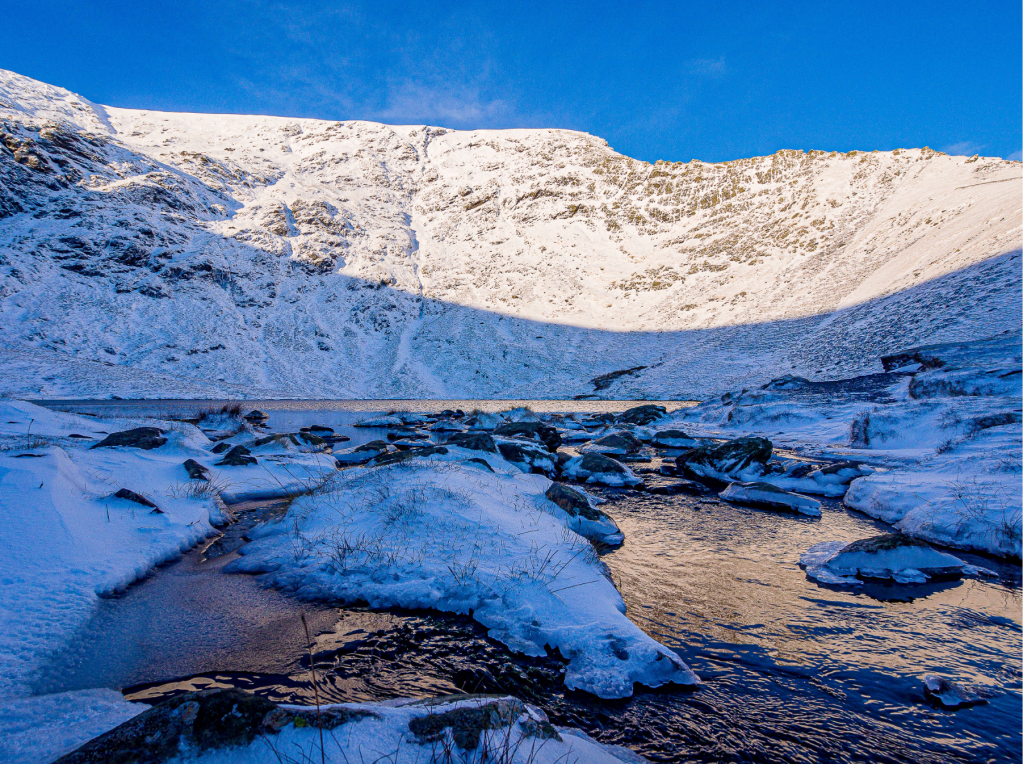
(185, 254)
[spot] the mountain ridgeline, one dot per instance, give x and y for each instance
(151, 254)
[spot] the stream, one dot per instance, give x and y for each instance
(792, 671)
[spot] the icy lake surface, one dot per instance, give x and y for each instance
(792, 671)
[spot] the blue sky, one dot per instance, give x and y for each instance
(658, 80)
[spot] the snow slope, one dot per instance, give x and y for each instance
(160, 254)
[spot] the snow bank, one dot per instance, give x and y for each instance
(68, 540)
(966, 497)
(448, 534)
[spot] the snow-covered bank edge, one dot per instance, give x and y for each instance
(466, 729)
(941, 434)
(82, 522)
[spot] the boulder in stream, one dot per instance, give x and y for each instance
(528, 457)
(945, 693)
(533, 431)
(600, 469)
(673, 439)
(767, 496)
(642, 415)
(889, 556)
(588, 521)
(742, 458)
(616, 444)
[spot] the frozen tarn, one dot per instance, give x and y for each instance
(446, 533)
(891, 556)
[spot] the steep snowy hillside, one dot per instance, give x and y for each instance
(157, 254)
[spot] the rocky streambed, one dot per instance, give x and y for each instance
(792, 670)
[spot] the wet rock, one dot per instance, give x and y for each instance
(617, 444)
(533, 431)
(406, 435)
(767, 496)
(529, 458)
(321, 429)
(195, 470)
(146, 438)
(474, 441)
(200, 721)
(138, 498)
(740, 458)
(945, 693)
(600, 469)
(642, 415)
(256, 416)
(688, 487)
(573, 502)
(220, 448)
(239, 456)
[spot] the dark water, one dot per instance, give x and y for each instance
(792, 671)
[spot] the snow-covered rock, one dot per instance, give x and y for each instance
(830, 480)
(362, 454)
(600, 469)
(743, 459)
(620, 443)
(766, 496)
(891, 556)
(586, 520)
(529, 457)
(672, 438)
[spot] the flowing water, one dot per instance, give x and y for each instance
(792, 671)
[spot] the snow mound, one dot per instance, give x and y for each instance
(446, 535)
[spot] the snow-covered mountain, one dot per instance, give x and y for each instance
(156, 254)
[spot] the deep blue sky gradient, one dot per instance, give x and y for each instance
(658, 80)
